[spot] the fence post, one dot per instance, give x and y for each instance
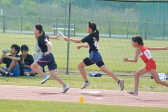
(21, 24)
(164, 26)
(68, 44)
(74, 28)
(39, 19)
(110, 30)
(65, 27)
(4, 24)
(163, 30)
(56, 25)
(145, 30)
(127, 29)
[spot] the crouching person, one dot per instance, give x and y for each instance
(11, 61)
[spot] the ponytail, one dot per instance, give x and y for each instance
(96, 34)
(43, 34)
(94, 29)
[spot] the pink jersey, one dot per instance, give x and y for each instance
(144, 54)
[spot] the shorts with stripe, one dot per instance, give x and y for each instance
(47, 60)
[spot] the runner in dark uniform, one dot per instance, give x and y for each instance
(47, 58)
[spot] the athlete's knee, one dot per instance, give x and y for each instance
(80, 66)
(105, 71)
(32, 66)
(136, 75)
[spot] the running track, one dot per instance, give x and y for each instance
(110, 97)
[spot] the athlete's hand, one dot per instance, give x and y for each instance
(67, 39)
(57, 37)
(46, 53)
(125, 59)
(78, 47)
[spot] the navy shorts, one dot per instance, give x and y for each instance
(94, 58)
(47, 60)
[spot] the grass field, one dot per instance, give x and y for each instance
(112, 50)
(75, 81)
(52, 106)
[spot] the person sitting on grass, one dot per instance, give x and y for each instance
(11, 61)
(26, 61)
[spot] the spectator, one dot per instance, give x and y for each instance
(11, 61)
(26, 61)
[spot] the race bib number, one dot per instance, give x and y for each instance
(96, 43)
(148, 54)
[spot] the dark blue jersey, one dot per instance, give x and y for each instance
(92, 42)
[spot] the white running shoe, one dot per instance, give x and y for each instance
(85, 85)
(121, 84)
(45, 78)
(65, 89)
(9, 74)
(135, 93)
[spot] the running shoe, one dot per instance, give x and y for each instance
(65, 89)
(85, 85)
(9, 74)
(45, 78)
(121, 84)
(135, 93)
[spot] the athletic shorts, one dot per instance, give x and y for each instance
(150, 65)
(94, 58)
(47, 60)
(15, 70)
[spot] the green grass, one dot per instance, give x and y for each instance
(52, 106)
(112, 50)
(75, 81)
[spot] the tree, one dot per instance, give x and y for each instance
(29, 7)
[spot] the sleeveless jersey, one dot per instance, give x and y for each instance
(144, 54)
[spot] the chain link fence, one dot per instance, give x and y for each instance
(109, 29)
